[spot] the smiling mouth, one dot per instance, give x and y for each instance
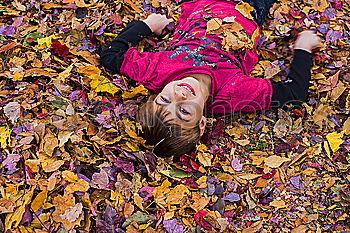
(188, 87)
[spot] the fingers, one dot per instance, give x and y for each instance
(308, 40)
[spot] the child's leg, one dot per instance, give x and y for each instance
(262, 8)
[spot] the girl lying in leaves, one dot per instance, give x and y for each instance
(212, 52)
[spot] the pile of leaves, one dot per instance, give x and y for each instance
(71, 159)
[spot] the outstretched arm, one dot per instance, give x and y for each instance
(295, 89)
(112, 56)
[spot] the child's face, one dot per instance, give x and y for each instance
(184, 99)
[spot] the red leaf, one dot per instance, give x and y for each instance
(198, 217)
(59, 49)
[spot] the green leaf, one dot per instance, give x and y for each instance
(139, 217)
(179, 173)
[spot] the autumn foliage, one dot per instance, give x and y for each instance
(71, 159)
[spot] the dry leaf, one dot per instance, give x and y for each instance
(279, 204)
(245, 9)
(335, 140)
(13, 111)
(213, 24)
(275, 161)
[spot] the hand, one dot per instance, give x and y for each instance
(307, 40)
(157, 22)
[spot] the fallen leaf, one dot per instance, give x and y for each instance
(13, 111)
(335, 140)
(103, 84)
(275, 161)
(279, 204)
(213, 24)
(245, 9)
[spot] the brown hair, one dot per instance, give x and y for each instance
(169, 137)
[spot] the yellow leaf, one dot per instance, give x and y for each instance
(45, 42)
(205, 158)
(5, 136)
(69, 176)
(202, 182)
(319, 5)
(214, 24)
(39, 200)
(12, 220)
(335, 140)
(132, 146)
(249, 176)
(176, 194)
(118, 197)
(346, 126)
(33, 164)
(138, 201)
(103, 84)
(135, 91)
(202, 148)
(275, 161)
(255, 35)
(169, 215)
(223, 176)
(244, 9)
(278, 204)
(79, 186)
(53, 166)
(17, 76)
(200, 201)
(50, 143)
(89, 70)
(347, 103)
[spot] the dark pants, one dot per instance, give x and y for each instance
(261, 9)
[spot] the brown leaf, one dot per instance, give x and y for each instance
(213, 24)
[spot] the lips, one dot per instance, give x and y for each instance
(188, 87)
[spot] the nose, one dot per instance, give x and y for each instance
(180, 94)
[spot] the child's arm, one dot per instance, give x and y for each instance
(112, 56)
(295, 88)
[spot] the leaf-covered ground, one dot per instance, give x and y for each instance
(71, 160)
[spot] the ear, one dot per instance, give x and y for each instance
(202, 124)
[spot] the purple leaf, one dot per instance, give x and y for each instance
(100, 30)
(219, 189)
(329, 13)
(232, 197)
(150, 162)
(111, 223)
(10, 162)
(100, 180)
(126, 166)
(333, 35)
(295, 180)
(7, 30)
(172, 226)
(102, 119)
(323, 28)
(18, 21)
(236, 165)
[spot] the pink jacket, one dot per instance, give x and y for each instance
(195, 51)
